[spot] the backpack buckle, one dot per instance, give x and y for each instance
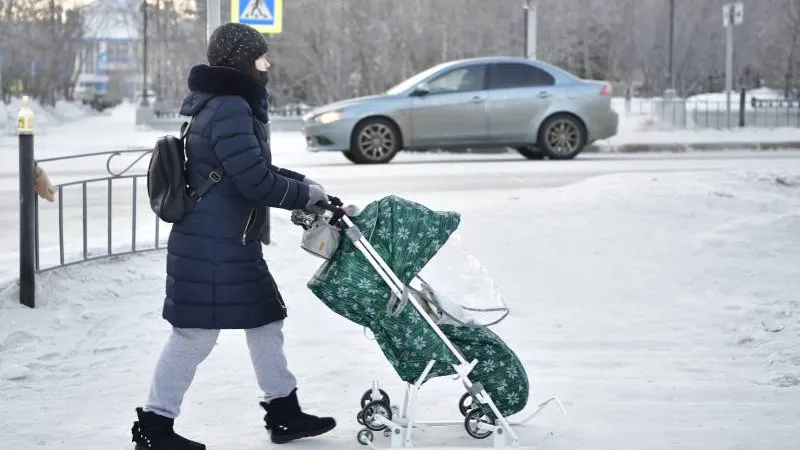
(214, 176)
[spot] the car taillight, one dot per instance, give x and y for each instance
(606, 90)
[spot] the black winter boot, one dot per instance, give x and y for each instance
(287, 422)
(154, 432)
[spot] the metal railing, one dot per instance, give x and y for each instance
(111, 181)
(774, 103)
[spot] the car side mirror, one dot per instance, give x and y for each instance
(421, 90)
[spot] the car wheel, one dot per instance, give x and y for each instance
(530, 152)
(349, 156)
(374, 141)
(562, 137)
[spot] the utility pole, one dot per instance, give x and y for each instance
(732, 15)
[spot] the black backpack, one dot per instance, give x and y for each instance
(171, 198)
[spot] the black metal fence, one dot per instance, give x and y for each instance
(108, 216)
(111, 181)
(71, 227)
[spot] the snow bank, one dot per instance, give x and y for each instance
(717, 101)
(45, 116)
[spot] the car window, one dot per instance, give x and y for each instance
(415, 79)
(516, 75)
(463, 79)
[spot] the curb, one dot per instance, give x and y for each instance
(643, 148)
(689, 147)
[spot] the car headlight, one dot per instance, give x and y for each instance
(329, 117)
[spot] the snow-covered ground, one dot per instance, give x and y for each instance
(718, 100)
(113, 129)
(661, 308)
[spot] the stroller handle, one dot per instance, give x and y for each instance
(334, 206)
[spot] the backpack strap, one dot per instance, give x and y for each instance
(214, 176)
(185, 129)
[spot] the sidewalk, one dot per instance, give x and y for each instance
(681, 147)
(636, 137)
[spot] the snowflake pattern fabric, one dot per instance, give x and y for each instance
(407, 235)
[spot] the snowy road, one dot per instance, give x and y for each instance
(416, 173)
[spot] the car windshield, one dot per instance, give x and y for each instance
(414, 80)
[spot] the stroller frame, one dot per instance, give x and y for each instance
(379, 415)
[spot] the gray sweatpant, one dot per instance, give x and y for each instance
(186, 348)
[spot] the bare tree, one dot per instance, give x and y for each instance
(335, 49)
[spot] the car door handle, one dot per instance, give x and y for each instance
(543, 94)
(477, 100)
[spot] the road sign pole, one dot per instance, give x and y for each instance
(213, 17)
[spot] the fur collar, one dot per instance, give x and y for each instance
(217, 80)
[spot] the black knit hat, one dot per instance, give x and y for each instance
(236, 45)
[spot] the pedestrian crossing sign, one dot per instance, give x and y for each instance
(266, 16)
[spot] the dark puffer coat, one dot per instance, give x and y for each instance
(216, 274)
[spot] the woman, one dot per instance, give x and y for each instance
(216, 274)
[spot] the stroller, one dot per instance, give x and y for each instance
(422, 335)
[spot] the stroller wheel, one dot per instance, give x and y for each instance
(360, 417)
(364, 437)
(472, 420)
(466, 404)
(371, 411)
(367, 397)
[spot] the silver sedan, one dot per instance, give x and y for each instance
(534, 107)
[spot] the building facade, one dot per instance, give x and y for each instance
(111, 50)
